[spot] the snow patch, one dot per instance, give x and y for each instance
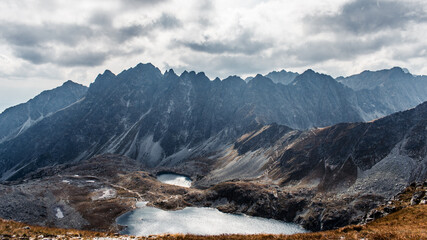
(175, 179)
(59, 213)
(104, 194)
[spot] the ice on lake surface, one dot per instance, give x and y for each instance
(201, 221)
(174, 179)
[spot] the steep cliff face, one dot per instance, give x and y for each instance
(163, 119)
(16, 120)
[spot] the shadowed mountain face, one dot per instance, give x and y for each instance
(17, 119)
(163, 119)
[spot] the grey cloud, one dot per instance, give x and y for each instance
(101, 19)
(409, 52)
(126, 33)
(72, 35)
(33, 55)
(31, 35)
(367, 16)
(134, 4)
(85, 58)
(68, 58)
(32, 42)
(243, 44)
(168, 21)
(342, 48)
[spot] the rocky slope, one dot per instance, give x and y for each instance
(88, 195)
(16, 120)
(91, 194)
(322, 178)
(163, 119)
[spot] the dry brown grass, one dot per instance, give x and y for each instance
(15, 230)
(408, 223)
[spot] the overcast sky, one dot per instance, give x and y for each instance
(46, 42)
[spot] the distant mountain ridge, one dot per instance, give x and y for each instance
(15, 120)
(162, 119)
(396, 86)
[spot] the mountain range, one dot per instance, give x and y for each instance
(306, 148)
(158, 118)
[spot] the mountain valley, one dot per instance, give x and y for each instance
(308, 149)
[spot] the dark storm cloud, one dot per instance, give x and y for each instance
(243, 44)
(368, 16)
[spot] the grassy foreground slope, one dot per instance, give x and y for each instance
(408, 223)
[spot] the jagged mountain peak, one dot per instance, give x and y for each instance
(104, 76)
(101, 83)
(141, 70)
(233, 80)
(108, 73)
(260, 79)
(193, 76)
(145, 67)
(311, 77)
(70, 83)
(187, 74)
(283, 76)
(170, 75)
(170, 72)
(201, 74)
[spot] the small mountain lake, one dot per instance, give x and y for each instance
(174, 179)
(201, 221)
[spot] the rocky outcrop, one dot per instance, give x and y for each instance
(414, 194)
